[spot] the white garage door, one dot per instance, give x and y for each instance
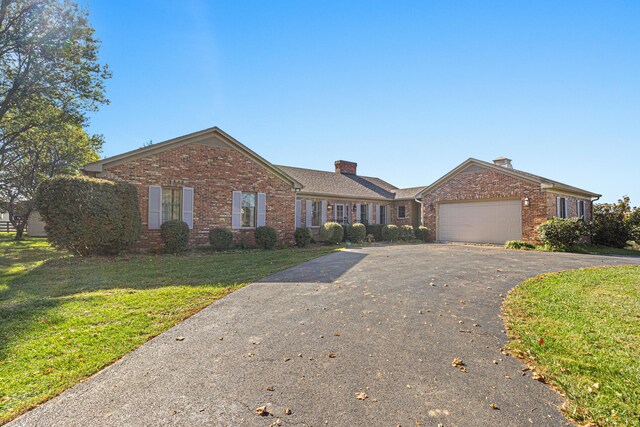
(480, 222)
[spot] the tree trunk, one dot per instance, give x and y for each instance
(19, 232)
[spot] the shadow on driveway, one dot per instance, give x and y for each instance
(321, 270)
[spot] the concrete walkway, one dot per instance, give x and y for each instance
(394, 317)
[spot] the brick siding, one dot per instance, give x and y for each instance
(214, 173)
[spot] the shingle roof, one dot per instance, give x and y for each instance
(347, 185)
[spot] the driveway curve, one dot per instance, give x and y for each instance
(383, 321)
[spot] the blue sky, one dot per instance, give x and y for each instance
(408, 89)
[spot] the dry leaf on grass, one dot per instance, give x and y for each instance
(540, 341)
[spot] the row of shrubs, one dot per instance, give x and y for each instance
(332, 232)
(175, 237)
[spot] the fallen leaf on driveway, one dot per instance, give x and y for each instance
(494, 406)
(179, 338)
(457, 362)
(287, 411)
(331, 355)
(361, 395)
(270, 388)
(262, 410)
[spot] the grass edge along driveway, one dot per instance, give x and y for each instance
(580, 330)
(64, 318)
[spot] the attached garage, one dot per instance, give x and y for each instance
(480, 221)
(485, 202)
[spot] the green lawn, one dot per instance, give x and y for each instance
(603, 250)
(581, 331)
(63, 318)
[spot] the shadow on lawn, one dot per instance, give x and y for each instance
(30, 296)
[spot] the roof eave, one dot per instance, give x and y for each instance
(99, 165)
(569, 189)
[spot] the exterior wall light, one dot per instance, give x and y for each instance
(526, 201)
(430, 206)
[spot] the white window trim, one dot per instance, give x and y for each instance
(313, 202)
(255, 213)
(405, 212)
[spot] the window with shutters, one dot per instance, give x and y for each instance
(562, 207)
(364, 214)
(581, 205)
(316, 214)
(402, 211)
(248, 210)
(383, 215)
(171, 204)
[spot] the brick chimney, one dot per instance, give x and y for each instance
(343, 166)
(504, 162)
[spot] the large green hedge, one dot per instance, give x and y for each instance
(89, 216)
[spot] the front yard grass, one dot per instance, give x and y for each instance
(581, 331)
(64, 318)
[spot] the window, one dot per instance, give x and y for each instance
(383, 215)
(316, 214)
(402, 211)
(364, 214)
(171, 204)
(562, 207)
(248, 210)
(581, 210)
(341, 216)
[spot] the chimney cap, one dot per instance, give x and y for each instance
(503, 161)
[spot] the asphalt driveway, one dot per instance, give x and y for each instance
(394, 318)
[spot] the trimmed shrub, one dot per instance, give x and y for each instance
(376, 230)
(266, 237)
(519, 244)
(422, 233)
(559, 233)
(407, 233)
(302, 236)
(175, 236)
(357, 232)
(331, 232)
(220, 239)
(390, 233)
(89, 216)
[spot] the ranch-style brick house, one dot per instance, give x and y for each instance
(208, 179)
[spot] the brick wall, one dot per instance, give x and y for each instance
(572, 205)
(213, 173)
(487, 184)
